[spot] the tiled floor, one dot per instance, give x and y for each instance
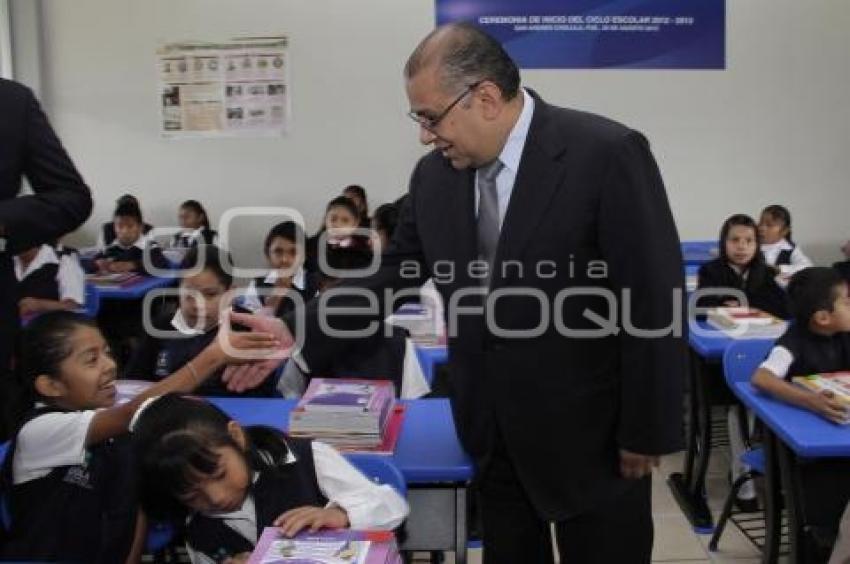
(675, 540)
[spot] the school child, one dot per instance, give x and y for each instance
(357, 194)
(66, 480)
(777, 245)
(49, 278)
(195, 324)
(107, 231)
(228, 482)
(126, 252)
(284, 248)
(818, 341)
(741, 266)
(339, 230)
(195, 225)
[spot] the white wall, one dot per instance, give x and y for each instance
(772, 128)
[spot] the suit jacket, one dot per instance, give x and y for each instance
(29, 147)
(587, 189)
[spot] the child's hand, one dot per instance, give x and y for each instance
(731, 303)
(238, 558)
(295, 520)
(102, 265)
(825, 404)
(27, 306)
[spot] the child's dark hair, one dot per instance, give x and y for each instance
(288, 230)
(129, 209)
(212, 258)
(174, 439)
(813, 289)
(386, 219)
(343, 202)
(745, 221)
(360, 192)
(45, 343)
(780, 213)
(196, 207)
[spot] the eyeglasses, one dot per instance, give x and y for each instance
(431, 123)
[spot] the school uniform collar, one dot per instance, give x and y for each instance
(192, 235)
(180, 324)
(298, 279)
(140, 243)
(343, 242)
(781, 245)
(46, 255)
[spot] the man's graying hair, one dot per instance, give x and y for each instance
(465, 55)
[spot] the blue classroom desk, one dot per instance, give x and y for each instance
(134, 291)
(699, 252)
(707, 346)
(430, 356)
(792, 436)
(429, 456)
(428, 449)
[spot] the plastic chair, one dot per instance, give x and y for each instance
(379, 469)
(740, 361)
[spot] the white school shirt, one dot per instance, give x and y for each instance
(49, 441)
(252, 300)
(799, 261)
(70, 277)
(368, 505)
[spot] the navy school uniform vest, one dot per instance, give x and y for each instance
(85, 513)
(815, 354)
(286, 305)
(784, 256)
(43, 283)
(173, 354)
(279, 488)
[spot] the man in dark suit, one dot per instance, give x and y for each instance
(560, 221)
(60, 203)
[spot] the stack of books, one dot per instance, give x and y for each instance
(746, 323)
(326, 547)
(351, 415)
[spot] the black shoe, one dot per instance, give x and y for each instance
(747, 505)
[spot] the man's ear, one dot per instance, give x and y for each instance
(49, 387)
(236, 432)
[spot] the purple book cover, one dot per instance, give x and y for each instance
(340, 546)
(347, 394)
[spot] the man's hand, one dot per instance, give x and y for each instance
(635, 466)
(250, 375)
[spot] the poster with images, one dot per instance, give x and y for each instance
(234, 88)
(600, 34)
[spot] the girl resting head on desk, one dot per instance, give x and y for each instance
(66, 480)
(228, 482)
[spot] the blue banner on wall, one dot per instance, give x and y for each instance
(592, 34)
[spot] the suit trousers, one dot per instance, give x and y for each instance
(620, 531)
